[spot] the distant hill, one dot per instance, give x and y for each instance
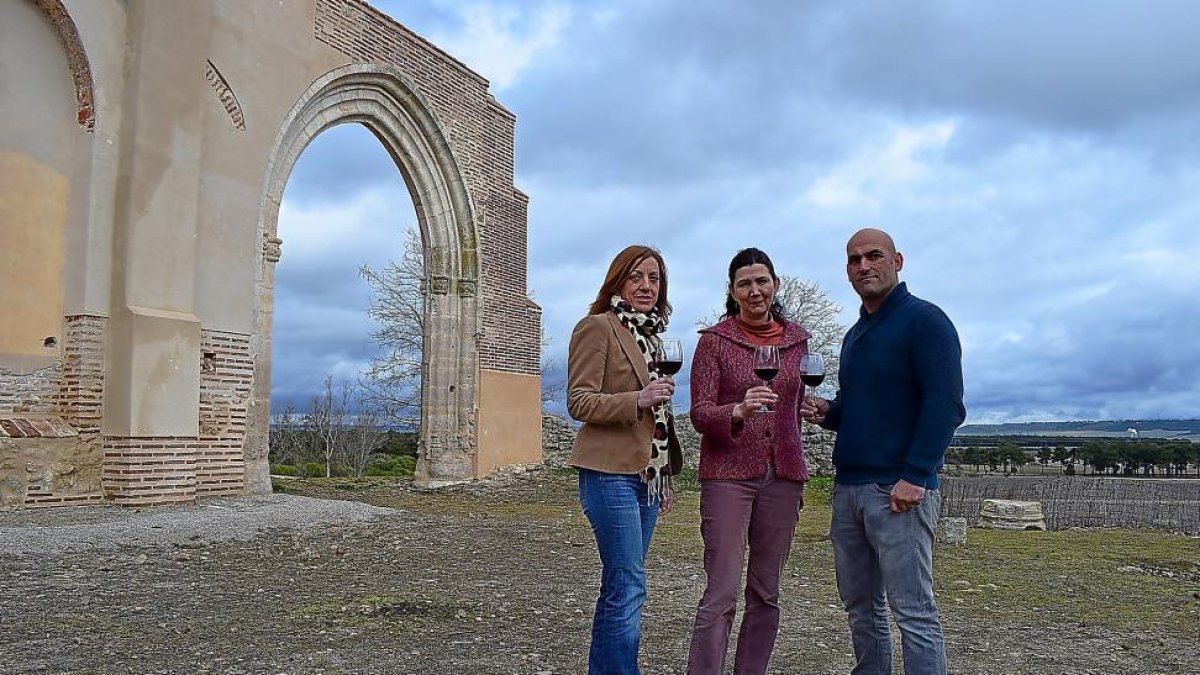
(1189, 429)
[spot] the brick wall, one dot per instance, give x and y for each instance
(81, 390)
(480, 133)
(226, 386)
(150, 471)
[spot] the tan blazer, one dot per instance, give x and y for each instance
(605, 373)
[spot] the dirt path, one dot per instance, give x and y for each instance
(497, 577)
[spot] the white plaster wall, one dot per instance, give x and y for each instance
(255, 47)
(37, 143)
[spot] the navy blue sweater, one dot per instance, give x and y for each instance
(900, 394)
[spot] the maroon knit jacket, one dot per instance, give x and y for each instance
(722, 371)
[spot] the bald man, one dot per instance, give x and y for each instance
(899, 400)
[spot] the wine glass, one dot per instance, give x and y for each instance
(670, 357)
(766, 367)
(812, 370)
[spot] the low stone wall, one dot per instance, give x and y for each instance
(558, 433)
(1076, 501)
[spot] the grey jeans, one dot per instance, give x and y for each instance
(883, 560)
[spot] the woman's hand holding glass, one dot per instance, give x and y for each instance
(669, 361)
(656, 392)
(758, 399)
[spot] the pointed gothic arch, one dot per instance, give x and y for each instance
(379, 97)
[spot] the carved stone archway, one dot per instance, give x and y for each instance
(381, 98)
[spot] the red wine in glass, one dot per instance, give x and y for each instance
(812, 380)
(812, 369)
(670, 358)
(667, 367)
(766, 374)
(766, 366)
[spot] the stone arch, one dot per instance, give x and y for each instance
(380, 97)
(77, 60)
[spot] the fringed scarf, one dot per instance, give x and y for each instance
(645, 327)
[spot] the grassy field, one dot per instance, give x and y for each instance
(1120, 580)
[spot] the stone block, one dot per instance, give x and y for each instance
(951, 531)
(1008, 514)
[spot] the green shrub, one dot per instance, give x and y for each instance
(401, 443)
(313, 470)
(390, 465)
(285, 470)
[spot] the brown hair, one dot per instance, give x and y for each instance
(619, 270)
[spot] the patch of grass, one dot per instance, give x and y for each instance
(1108, 577)
(393, 611)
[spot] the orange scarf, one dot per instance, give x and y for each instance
(770, 333)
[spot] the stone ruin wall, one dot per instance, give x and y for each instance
(52, 451)
(50, 443)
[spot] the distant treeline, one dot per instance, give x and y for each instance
(1079, 426)
(1032, 442)
(1117, 457)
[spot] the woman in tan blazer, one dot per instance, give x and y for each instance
(626, 451)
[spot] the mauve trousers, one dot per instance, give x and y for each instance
(761, 513)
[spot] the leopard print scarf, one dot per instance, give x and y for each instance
(645, 328)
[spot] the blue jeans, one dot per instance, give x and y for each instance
(883, 560)
(615, 505)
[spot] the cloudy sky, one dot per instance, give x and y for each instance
(1037, 164)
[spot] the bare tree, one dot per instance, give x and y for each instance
(554, 376)
(327, 419)
(392, 384)
(288, 438)
(363, 436)
(809, 305)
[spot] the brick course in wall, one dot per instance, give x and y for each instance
(226, 387)
(39, 497)
(480, 133)
(81, 389)
(150, 471)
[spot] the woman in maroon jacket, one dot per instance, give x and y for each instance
(752, 469)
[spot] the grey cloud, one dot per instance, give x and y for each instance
(1096, 67)
(1126, 355)
(339, 163)
(667, 92)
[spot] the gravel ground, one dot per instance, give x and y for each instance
(493, 577)
(46, 532)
